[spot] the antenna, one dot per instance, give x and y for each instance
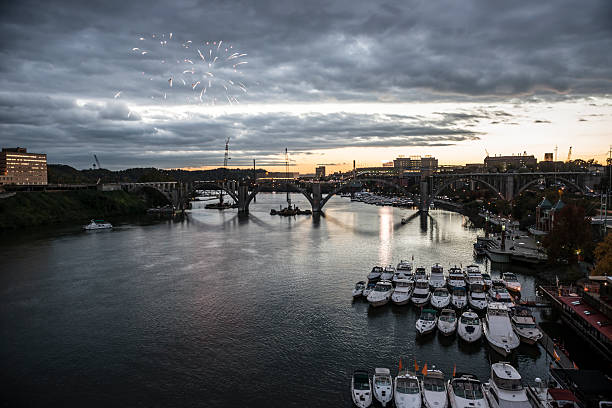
(287, 177)
(226, 158)
(556, 148)
(569, 154)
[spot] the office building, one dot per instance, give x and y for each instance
(19, 167)
(503, 163)
(320, 172)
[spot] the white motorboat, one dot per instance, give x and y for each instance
(466, 391)
(420, 273)
(498, 330)
(383, 385)
(406, 390)
(511, 281)
(402, 292)
(403, 271)
(499, 293)
(447, 322)
(524, 325)
(381, 294)
(436, 277)
(505, 389)
(487, 280)
(455, 278)
(388, 273)
(359, 287)
(375, 273)
(472, 272)
(369, 288)
(477, 298)
(426, 323)
(433, 389)
(469, 327)
(420, 294)
(440, 298)
(361, 389)
(458, 298)
(97, 225)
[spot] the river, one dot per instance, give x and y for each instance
(220, 311)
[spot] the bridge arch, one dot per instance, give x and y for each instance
(347, 183)
(552, 175)
(218, 186)
(448, 183)
(295, 187)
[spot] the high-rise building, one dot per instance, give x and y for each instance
(548, 157)
(19, 167)
(408, 163)
(320, 172)
(430, 163)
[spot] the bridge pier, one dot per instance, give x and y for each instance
(243, 195)
(424, 205)
(509, 188)
(316, 198)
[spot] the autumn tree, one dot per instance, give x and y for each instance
(570, 235)
(603, 257)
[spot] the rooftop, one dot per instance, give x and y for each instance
(592, 316)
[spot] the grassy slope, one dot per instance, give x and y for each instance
(38, 208)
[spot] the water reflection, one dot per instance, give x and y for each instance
(385, 234)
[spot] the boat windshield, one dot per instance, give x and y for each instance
(448, 318)
(420, 295)
(403, 285)
(441, 292)
(422, 285)
(407, 386)
(459, 292)
(433, 384)
(526, 325)
(381, 288)
(510, 277)
(382, 380)
(508, 384)
(467, 389)
(428, 316)
(470, 320)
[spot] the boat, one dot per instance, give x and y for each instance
(511, 281)
(361, 389)
(498, 293)
(498, 330)
(402, 292)
(420, 273)
(544, 397)
(458, 298)
(469, 327)
(455, 278)
(436, 277)
(505, 389)
(381, 294)
(472, 272)
(524, 325)
(487, 280)
(426, 323)
(383, 385)
(433, 390)
(420, 294)
(388, 273)
(359, 287)
(479, 248)
(447, 322)
(440, 298)
(477, 298)
(403, 271)
(375, 273)
(406, 390)
(97, 225)
(369, 288)
(465, 391)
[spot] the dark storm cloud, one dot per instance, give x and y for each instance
(53, 54)
(70, 132)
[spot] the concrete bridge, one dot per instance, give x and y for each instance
(506, 186)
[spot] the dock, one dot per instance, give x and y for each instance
(558, 357)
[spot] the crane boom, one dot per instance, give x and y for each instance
(226, 157)
(97, 161)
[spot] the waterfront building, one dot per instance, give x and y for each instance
(503, 163)
(19, 167)
(408, 163)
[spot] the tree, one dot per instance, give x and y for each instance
(570, 236)
(603, 257)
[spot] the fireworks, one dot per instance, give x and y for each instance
(210, 71)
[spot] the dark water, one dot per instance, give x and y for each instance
(220, 311)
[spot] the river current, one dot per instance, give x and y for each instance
(222, 311)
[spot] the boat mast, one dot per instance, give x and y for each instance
(287, 177)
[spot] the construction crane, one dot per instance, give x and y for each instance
(97, 161)
(569, 154)
(226, 158)
(487, 152)
(556, 148)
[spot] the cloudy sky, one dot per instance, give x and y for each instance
(333, 81)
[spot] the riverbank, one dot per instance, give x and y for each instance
(30, 209)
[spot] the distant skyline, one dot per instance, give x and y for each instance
(331, 81)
